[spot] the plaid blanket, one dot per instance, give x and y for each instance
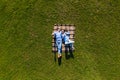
(72, 35)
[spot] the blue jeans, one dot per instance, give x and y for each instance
(59, 46)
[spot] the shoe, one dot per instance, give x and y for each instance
(58, 55)
(61, 56)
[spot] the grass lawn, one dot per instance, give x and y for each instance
(25, 39)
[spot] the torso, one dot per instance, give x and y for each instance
(58, 35)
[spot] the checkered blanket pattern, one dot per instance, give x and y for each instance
(63, 27)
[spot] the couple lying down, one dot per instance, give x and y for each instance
(62, 36)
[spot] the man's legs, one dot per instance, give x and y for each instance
(71, 50)
(70, 46)
(66, 50)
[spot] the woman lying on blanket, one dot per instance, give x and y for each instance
(58, 40)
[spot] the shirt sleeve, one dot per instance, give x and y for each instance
(54, 33)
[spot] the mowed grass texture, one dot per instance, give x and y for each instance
(25, 39)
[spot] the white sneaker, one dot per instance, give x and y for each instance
(67, 42)
(70, 41)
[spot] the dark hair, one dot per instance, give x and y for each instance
(66, 30)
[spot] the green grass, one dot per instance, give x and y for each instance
(25, 39)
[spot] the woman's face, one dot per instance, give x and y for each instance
(59, 28)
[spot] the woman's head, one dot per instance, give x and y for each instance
(58, 28)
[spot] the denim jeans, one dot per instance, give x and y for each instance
(59, 46)
(68, 46)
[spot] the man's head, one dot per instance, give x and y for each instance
(67, 29)
(63, 31)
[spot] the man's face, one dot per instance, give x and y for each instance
(67, 29)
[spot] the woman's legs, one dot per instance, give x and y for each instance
(59, 47)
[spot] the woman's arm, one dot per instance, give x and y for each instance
(53, 33)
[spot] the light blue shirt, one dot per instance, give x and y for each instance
(58, 36)
(66, 38)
